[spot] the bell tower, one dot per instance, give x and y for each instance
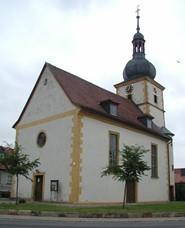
(139, 84)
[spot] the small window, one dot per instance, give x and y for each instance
(113, 110)
(129, 97)
(110, 106)
(146, 120)
(182, 172)
(155, 98)
(1, 155)
(9, 180)
(113, 149)
(45, 81)
(149, 123)
(41, 139)
(154, 161)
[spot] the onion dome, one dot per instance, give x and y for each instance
(138, 66)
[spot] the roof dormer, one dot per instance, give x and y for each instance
(110, 106)
(146, 119)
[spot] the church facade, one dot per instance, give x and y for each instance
(77, 128)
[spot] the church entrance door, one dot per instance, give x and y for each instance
(131, 192)
(38, 187)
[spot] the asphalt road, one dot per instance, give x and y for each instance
(16, 222)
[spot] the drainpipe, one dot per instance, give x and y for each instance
(168, 152)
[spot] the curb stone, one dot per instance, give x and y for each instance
(3, 212)
(50, 214)
(24, 212)
(69, 215)
(136, 215)
(157, 215)
(115, 215)
(92, 215)
(36, 213)
(12, 212)
(179, 214)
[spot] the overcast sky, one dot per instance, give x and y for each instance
(91, 39)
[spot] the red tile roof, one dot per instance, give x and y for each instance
(89, 97)
(4, 150)
(179, 178)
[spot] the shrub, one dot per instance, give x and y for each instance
(5, 194)
(22, 201)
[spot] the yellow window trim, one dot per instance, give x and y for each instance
(38, 146)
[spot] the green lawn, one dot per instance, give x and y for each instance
(163, 207)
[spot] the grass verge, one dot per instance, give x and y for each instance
(163, 207)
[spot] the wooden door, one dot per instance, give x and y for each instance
(38, 187)
(131, 192)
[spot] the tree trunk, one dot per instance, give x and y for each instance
(17, 187)
(124, 197)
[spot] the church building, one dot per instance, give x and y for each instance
(77, 128)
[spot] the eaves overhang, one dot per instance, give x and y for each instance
(125, 122)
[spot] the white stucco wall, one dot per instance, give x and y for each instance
(156, 109)
(47, 100)
(54, 156)
(50, 100)
(137, 94)
(50, 111)
(158, 116)
(95, 157)
(159, 94)
(141, 99)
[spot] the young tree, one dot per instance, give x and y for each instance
(131, 167)
(17, 163)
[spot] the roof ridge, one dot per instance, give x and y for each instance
(84, 80)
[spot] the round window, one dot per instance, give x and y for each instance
(41, 139)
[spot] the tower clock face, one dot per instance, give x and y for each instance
(155, 90)
(129, 89)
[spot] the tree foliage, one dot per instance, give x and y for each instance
(17, 163)
(131, 167)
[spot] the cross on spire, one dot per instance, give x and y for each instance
(137, 11)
